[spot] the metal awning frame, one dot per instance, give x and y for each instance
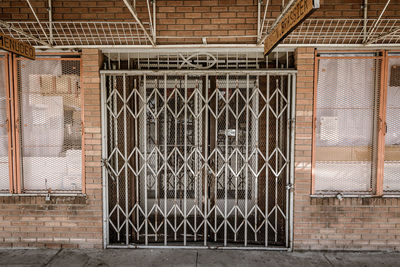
(364, 32)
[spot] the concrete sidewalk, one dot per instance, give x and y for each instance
(175, 257)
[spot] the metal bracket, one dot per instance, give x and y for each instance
(289, 186)
(104, 162)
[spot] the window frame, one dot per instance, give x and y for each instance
(388, 55)
(6, 57)
(14, 131)
(379, 120)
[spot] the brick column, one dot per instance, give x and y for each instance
(304, 58)
(64, 221)
(91, 63)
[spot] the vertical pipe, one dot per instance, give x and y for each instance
(104, 157)
(157, 146)
(258, 19)
(137, 144)
(206, 164)
(51, 22)
(196, 151)
(292, 163)
(267, 165)
(365, 20)
(256, 143)
(185, 166)
(125, 163)
(146, 224)
(216, 159)
(116, 146)
(165, 160)
(276, 158)
(154, 22)
(236, 157)
(226, 159)
(246, 191)
(175, 156)
(287, 163)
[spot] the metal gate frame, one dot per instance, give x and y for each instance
(289, 187)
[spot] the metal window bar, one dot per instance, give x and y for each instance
(187, 132)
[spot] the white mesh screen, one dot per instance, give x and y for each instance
(345, 111)
(4, 170)
(50, 120)
(391, 180)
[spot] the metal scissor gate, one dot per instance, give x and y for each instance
(198, 158)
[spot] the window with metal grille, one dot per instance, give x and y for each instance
(49, 106)
(391, 174)
(4, 168)
(345, 115)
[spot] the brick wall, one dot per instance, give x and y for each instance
(189, 19)
(67, 222)
(353, 223)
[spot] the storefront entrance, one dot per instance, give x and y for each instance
(197, 158)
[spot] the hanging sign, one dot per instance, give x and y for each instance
(17, 47)
(299, 11)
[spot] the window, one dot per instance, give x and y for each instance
(46, 105)
(350, 103)
(4, 162)
(391, 176)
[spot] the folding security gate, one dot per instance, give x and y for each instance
(198, 158)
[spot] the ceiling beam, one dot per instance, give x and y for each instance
(278, 19)
(37, 19)
(50, 10)
(384, 35)
(371, 32)
(134, 14)
(263, 20)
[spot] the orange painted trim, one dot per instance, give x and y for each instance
(9, 133)
(314, 123)
(353, 57)
(59, 54)
(17, 127)
(12, 121)
(52, 58)
(382, 124)
(349, 51)
(82, 127)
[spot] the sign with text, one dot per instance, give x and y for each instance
(299, 11)
(17, 47)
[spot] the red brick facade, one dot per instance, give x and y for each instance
(319, 223)
(188, 19)
(328, 223)
(68, 222)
